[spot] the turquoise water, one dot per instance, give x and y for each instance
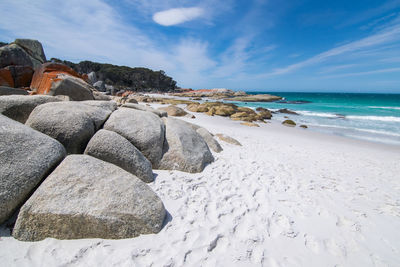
(373, 117)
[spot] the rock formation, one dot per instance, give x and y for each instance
(19, 107)
(184, 149)
(57, 79)
(112, 147)
(174, 111)
(143, 129)
(26, 158)
(89, 198)
(71, 123)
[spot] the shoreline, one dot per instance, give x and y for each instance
(277, 122)
(286, 197)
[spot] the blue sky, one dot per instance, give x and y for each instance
(298, 45)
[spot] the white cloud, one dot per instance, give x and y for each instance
(192, 61)
(176, 16)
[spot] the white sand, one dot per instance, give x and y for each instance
(287, 197)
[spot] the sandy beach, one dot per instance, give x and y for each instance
(286, 197)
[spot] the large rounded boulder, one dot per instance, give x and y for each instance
(112, 147)
(19, 107)
(173, 110)
(143, 129)
(5, 90)
(14, 54)
(85, 197)
(184, 149)
(26, 157)
(71, 123)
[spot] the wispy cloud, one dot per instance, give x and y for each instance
(176, 16)
(387, 35)
(362, 73)
(336, 68)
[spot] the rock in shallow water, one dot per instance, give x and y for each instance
(89, 198)
(26, 156)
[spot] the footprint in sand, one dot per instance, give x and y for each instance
(280, 224)
(311, 243)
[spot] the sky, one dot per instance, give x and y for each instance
(253, 45)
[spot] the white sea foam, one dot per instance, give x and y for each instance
(357, 129)
(375, 118)
(317, 114)
(395, 108)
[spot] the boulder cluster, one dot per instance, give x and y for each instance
(79, 168)
(74, 164)
(231, 110)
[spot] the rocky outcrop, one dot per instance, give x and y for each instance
(264, 113)
(100, 85)
(33, 47)
(57, 79)
(229, 109)
(109, 105)
(112, 147)
(19, 107)
(92, 78)
(216, 93)
(71, 123)
(287, 111)
(228, 139)
(159, 113)
(250, 124)
(26, 157)
(184, 149)
(6, 78)
(5, 90)
(13, 54)
(174, 111)
(255, 98)
(85, 197)
(22, 75)
(100, 96)
(143, 129)
(209, 139)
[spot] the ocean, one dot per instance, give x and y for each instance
(372, 117)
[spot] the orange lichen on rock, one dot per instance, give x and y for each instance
(127, 93)
(47, 74)
(6, 78)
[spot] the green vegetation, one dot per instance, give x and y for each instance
(122, 77)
